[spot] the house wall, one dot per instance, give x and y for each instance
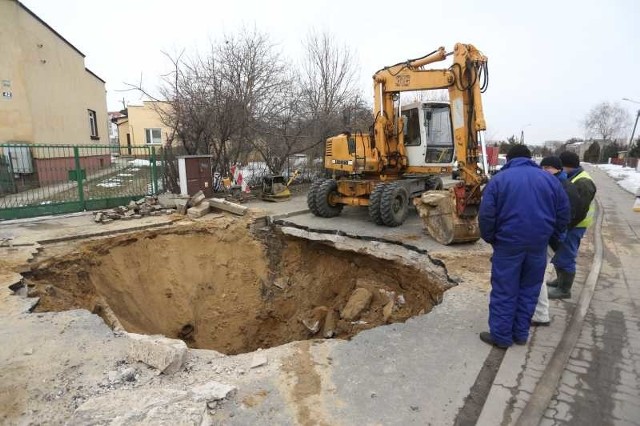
(50, 86)
(141, 117)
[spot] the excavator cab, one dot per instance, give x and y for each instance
(428, 134)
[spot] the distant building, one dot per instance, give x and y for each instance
(142, 126)
(47, 95)
(553, 145)
(114, 116)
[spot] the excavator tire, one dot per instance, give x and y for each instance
(438, 212)
(323, 204)
(394, 205)
(375, 199)
(311, 196)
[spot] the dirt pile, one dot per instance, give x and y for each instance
(217, 286)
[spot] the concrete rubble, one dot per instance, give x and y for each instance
(195, 207)
(165, 354)
(146, 206)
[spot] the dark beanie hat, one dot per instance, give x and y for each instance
(552, 161)
(518, 151)
(570, 159)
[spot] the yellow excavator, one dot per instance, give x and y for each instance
(410, 145)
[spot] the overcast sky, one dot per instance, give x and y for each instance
(550, 61)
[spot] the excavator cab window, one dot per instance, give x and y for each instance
(437, 122)
(411, 127)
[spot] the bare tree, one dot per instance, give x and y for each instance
(441, 95)
(215, 99)
(606, 121)
(243, 98)
(257, 79)
(329, 83)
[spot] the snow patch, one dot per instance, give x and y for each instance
(628, 178)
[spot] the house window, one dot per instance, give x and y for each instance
(93, 124)
(153, 135)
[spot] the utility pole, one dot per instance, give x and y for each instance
(522, 133)
(633, 132)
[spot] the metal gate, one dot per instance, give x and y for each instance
(38, 180)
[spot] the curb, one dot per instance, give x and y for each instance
(273, 218)
(104, 233)
(548, 383)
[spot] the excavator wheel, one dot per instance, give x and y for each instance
(311, 196)
(322, 199)
(375, 200)
(394, 205)
(438, 212)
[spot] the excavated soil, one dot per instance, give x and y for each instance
(218, 286)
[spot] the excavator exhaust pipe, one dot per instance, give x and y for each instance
(438, 212)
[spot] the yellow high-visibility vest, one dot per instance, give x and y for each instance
(588, 220)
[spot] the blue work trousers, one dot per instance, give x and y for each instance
(565, 256)
(516, 277)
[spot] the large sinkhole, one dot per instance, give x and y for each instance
(219, 286)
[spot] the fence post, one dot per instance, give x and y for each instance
(76, 156)
(154, 172)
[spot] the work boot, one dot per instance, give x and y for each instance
(486, 337)
(554, 282)
(563, 290)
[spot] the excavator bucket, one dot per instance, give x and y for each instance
(438, 211)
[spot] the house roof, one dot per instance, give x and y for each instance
(94, 74)
(30, 12)
(36, 17)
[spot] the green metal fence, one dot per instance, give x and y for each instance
(38, 180)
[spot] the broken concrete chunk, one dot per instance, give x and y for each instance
(258, 361)
(199, 210)
(145, 209)
(167, 201)
(212, 391)
(312, 325)
(225, 205)
(197, 198)
(181, 205)
(98, 217)
(330, 321)
(132, 205)
(315, 319)
(127, 375)
(167, 355)
(387, 310)
(358, 302)
(400, 300)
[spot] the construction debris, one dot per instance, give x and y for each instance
(146, 206)
(228, 206)
(358, 302)
(167, 355)
(212, 391)
(259, 360)
(199, 210)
